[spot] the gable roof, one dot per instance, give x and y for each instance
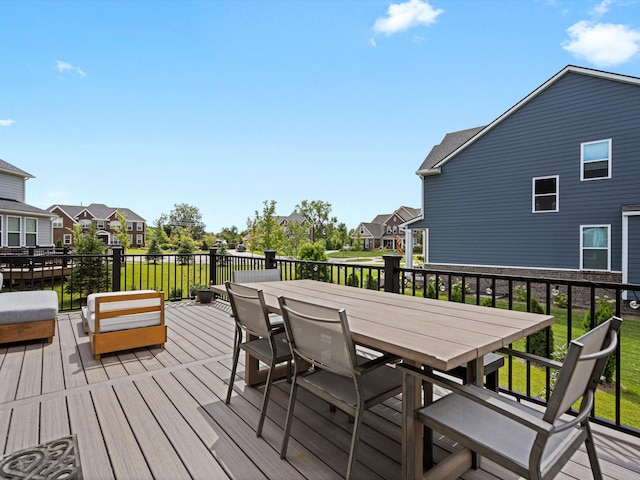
(98, 211)
(6, 167)
(440, 157)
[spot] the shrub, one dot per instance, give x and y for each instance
(561, 300)
(432, 289)
(537, 344)
(605, 309)
(456, 291)
(520, 294)
(353, 280)
(486, 302)
(372, 283)
(315, 253)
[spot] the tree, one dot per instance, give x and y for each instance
(231, 235)
(90, 273)
(186, 246)
(314, 253)
(121, 230)
(268, 234)
(184, 216)
(317, 213)
(294, 238)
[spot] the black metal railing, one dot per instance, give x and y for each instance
(574, 303)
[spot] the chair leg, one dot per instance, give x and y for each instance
(591, 452)
(287, 425)
(355, 438)
(265, 399)
(236, 355)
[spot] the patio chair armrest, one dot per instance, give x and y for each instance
(545, 362)
(483, 397)
(375, 363)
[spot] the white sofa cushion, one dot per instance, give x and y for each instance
(28, 306)
(122, 322)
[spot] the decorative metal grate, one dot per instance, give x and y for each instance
(58, 459)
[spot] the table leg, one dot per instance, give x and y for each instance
(412, 450)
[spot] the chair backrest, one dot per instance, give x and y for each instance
(249, 309)
(582, 368)
(320, 335)
(249, 276)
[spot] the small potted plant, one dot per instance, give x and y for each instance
(202, 292)
(175, 295)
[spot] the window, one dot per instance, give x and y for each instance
(139, 226)
(130, 237)
(31, 232)
(388, 228)
(0, 234)
(85, 223)
(595, 160)
(595, 243)
(13, 231)
(57, 223)
(395, 229)
(114, 224)
(114, 240)
(545, 194)
(101, 224)
(139, 240)
(129, 225)
(66, 239)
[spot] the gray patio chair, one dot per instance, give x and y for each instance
(531, 443)
(250, 276)
(251, 316)
(320, 335)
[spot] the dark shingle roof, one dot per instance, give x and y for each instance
(7, 167)
(8, 205)
(449, 143)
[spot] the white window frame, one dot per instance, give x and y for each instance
(139, 239)
(10, 232)
(28, 234)
(113, 224)
(57, 222)
(139, 226)
(582, 160)
(100, 224)
(67, 239)
(608, 248)
(129, 225)
(534, 196)
(114, 240)
(84, 223)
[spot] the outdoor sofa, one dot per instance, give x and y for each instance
(27, 315)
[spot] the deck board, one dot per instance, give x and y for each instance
(160, 413)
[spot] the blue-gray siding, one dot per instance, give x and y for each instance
(634, 249)
(12, 187)
(478, 210)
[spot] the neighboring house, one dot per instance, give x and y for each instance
(551, 186)
(103, 217)
(21, 225)
(382, 231)
(295, 217)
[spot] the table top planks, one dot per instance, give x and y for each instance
(427, 331)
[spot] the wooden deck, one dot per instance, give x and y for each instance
(153, 413)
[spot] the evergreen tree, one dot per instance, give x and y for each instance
(90, 273)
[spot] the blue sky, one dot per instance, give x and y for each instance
(224, 105)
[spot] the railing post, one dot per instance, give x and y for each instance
(213, 265)
(270, 259)
(117, 267)
(391, 267)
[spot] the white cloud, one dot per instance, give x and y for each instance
(66, 66)
(601, 8)
(603, 44)
(6, 123)
(403, 16)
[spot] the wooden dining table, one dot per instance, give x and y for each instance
(422, 332)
